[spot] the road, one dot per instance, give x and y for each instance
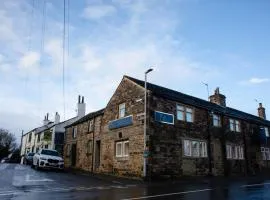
(20, 182)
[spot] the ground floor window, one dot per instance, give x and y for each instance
(265, 153)
(122, 148)
(68, 150)
(193, 148)
(234, 152)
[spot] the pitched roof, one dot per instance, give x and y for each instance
(87, 117)
(194, 101)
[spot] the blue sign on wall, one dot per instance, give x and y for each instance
(122, 122)
(164, 117)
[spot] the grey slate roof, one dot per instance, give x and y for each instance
(194, 101)
(87, 117)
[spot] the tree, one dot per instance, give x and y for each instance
(7, 143)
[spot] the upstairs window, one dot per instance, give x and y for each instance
(265, 153)
(122, 110)
(38, 139)
(91, 125)
(122, 149)
(234, 125)
(184, 113)
(216, 121)
(30, 137)
(74, 132)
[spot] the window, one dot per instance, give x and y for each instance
(91, 125)
(234, 152)
(203, 149)
(89, 147)
(216, 120)
(229, 151)
(122, 110)
(187, 148)
(195, 148)
(266, 131)
(265, 153)
(234, 125)
(46, 146)
(74, 132)
(122, 149)
(184, 113)
(30, 137)
(38, 139)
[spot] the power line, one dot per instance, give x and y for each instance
(64, 57)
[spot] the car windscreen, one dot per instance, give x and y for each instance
(50, 153)
(31, 154)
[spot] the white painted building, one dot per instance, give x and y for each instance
(51, 134)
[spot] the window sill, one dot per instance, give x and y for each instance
(122, 158)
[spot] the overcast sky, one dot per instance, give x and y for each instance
(223, 43)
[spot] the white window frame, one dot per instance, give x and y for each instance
(122, 110)
(229, 151)
(216, 118)
(122, 149)
(89, 146)
(91, 125)
(74, 132)
(184, 110)
(187, 143)
(267, 153)
(189, 151)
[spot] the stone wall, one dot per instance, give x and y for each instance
(132, 95)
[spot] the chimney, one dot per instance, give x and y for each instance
(218, 98)
(57, 118)
(46, 119)
(81, 107)
(261, 111)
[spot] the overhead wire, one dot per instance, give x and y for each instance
(64, 58)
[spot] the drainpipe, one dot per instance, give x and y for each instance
(209, 143)
(223, 146)
(245, 149)
(93, 143)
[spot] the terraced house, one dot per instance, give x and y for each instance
(185, 135)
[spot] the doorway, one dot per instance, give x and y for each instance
(97, 154)
(73, 154)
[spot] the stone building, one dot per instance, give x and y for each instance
(185, 135)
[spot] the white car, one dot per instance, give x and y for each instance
(46, 158)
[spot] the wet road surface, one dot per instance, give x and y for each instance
(20, 182)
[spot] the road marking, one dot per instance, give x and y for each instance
(20, 167)
(27, 179)
(117, 182)
(252, 185)
(168, 194)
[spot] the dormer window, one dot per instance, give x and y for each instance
(122, 110)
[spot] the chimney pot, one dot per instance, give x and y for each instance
(79, 99)
(82, 99)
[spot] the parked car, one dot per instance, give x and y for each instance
(28, 160)
(46, 158)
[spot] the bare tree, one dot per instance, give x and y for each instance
(7, 143)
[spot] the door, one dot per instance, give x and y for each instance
(73, 154)
(97, 154)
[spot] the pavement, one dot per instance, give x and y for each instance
(21, 182)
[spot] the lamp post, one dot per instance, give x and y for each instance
(145, 109)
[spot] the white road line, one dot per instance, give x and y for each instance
(252, 185)
(20, 167)
(168, 194)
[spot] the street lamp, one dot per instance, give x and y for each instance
(145, 108)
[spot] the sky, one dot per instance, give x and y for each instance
(223, 43)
